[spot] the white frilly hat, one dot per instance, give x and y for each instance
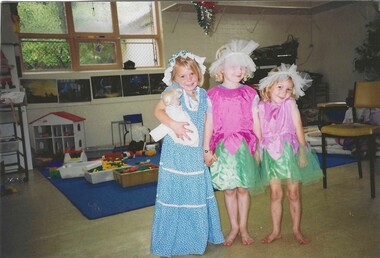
(183, 53)
(239, 52)
(301, 81)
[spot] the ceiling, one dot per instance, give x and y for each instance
(259, 7)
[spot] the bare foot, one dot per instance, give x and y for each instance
(230, 238)
(270, 238)
(301, 239)
(246, 239)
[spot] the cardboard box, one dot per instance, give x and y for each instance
(135, 178)
(71, 170)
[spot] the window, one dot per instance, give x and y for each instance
(77, 36)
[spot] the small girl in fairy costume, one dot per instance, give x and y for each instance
(286, 158)
(232, 134)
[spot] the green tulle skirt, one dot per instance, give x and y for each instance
(238, 170)
(286, 168)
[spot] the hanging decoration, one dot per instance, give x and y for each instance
(205, 13)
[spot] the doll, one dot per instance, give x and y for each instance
(174, 110)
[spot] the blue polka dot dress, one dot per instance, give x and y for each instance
(186, 215)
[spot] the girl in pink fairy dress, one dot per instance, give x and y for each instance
(231, 136)
(286, 158)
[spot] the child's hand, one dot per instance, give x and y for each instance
(209, 157)
(181, 130)
(302, 160)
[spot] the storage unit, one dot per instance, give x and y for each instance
(58, 132)
(12, 140)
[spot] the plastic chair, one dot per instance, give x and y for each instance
(129, 120)
(366, 95)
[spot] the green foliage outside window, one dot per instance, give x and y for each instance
(46, 54)
(96, 53)
(48, 44)
(42, 17)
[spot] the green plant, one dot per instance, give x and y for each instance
(368, 54)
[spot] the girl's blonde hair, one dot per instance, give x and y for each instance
(188, 63)
(265, 92)
(218, 75)
(237, 51)
(219, 72)
(301, 81)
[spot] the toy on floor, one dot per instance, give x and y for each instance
(108, 161)
(146, 153)
(136, 168)
(114, 156)
(75, 156)
(6, 190)
(143, 162)
(128, 154)
(54, 172)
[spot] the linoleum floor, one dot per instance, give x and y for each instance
(342, 221)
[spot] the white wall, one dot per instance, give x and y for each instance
(333, 34)
(99, 115)
(270, 30)
(337, 34)
(327, 40)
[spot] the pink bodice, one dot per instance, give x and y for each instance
(277, 126)
(232, 117)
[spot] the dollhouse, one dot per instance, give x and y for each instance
(58, 132)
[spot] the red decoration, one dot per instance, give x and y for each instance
(206, 4)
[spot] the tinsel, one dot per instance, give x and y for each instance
(205, 13)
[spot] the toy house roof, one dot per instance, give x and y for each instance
(63, 115)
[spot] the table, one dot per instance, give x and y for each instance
(121, 126)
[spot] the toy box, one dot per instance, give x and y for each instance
(126, 178)
(70, 170)
(102, 170)
(99, 176)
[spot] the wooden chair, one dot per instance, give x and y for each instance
(366, 95)
(324, 109)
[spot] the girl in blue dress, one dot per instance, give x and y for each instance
(186, 215)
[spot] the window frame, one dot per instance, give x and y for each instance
(74, 38)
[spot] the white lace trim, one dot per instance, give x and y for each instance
(182, 173)
(192, 104)
(181, 206)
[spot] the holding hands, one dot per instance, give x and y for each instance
(209, 157)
